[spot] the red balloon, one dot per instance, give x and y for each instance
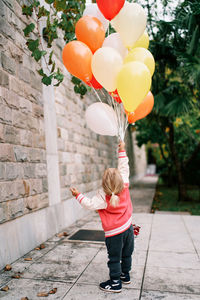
(110, 8)
(116, 96)
(94, 83)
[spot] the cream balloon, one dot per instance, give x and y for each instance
(101, 118)
(93, 10)
(143, 41)
(114, 41)
(143, 55)
(130, 23)
(106, 64)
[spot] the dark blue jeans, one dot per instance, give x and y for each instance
(120, 248)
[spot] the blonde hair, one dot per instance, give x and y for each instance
(112, 184)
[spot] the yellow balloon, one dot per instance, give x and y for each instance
(133, 84)
(143, 41)
(143, 55)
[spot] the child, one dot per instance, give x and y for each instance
(115, 209)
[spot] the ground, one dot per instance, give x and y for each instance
(166, 263)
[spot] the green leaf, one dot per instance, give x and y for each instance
(80, 89)
(76, 89)
(37, 54)
(32, 44)
(28, 29)
(41, 72)
(27, 10)
(36, 3)
(75, 80)
(42, 12)
(83, 90)
(49, 1)
(69, 36)
(47, 79)
(59, 76)
(60, 5)
(194, 41)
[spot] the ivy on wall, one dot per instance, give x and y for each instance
(60, 14)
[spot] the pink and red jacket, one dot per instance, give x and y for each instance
(115, 220)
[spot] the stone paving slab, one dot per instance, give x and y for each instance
(192, 224)
(98, 266)
(142, 241)
(65, 262)
(172, 280)
(142, 218)
(4, 281)
(156, 295)
(30, 288)
(173, 260)
(36, 254)
(92, 292)
(93, 225)
(166, 258)
(169, 234)
(142, 194)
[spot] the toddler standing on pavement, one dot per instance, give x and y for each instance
(115, 209)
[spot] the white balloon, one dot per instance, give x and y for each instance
(106, 64)
(93, 10)
(130, 23)
(114, 41)
(101, 119)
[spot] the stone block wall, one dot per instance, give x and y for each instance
(28, 150)
(139, 158)
(23, 170)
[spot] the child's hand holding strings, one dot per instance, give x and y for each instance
(121, 146)
(74, 191)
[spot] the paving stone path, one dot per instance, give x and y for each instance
(166, 263)
(142, 194)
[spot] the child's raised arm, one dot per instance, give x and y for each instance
(123, 165)
(95, 203)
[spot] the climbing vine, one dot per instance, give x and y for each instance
(59, 14)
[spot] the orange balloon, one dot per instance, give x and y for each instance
(143, 109)
(130, 117)
(90, 31)
(77, 59)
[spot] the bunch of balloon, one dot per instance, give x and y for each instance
(134, 78)
(120, 63)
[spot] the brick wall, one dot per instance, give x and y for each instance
(23, 179)
(82, 154)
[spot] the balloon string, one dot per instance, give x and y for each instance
(119, 119)
(117, 114)
(102, 93)
(122, 122)
(95, 92)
